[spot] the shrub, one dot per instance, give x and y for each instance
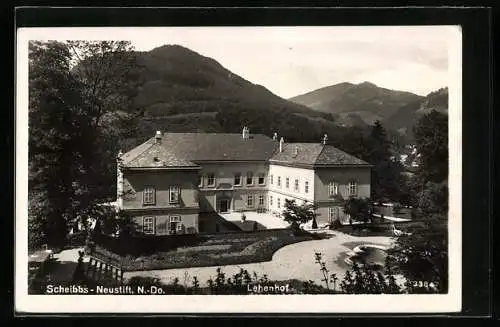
(397, 208)
(336, 224)
(77, 239)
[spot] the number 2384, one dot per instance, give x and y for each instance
(420, 283)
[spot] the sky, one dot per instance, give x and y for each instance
(290, 61)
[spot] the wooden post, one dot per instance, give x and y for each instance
(94, 268)
(106, 270)
(99, 270)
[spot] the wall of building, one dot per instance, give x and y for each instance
(341, 175)
(225, 187)
(283, 192)
(323, 213)
(292, 173)
(188, 220)
(135, 182)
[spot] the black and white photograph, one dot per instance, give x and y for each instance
(298, 164)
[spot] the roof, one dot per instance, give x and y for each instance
(315, 154)
(150, 154)
(187, 149)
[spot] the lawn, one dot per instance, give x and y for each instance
(211, 250)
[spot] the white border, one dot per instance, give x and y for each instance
(450, 302)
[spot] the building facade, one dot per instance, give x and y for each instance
(176, 183)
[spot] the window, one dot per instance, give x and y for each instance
(176, 219)
(331, 214)
(261, 199)
(333, 188)
(211, 180)
(200, 181)
(272, 179)
(353, 188)
(296, 185)
(262, 179)
(149, 195)
(271, 201)
(287, 182)
(237, 179)
(306, 186)
(173, 194)
(250, 201)
(279, 181)
(175, 224)
(148, 225)
(249, 178)
(279, 203)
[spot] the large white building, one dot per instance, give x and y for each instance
(178, 182)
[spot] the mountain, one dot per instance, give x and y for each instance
(407, 115)
(183, 91)
(366, 100)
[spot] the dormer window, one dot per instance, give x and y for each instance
(262, 179)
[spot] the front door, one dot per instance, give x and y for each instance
(224, 205)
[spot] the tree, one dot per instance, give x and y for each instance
(73, 87)
(431, 137)
(109, 75)
(298, 214)
(385, 176)
(380, 146)
(55, 121)
(358, 209)
(422, 255)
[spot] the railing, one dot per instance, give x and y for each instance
(99, 269)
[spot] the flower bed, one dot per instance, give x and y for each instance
(215, 250)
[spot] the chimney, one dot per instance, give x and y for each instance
(296, 152)
(158, 137)
(275, 136)
(325, 138)
(281, 144)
